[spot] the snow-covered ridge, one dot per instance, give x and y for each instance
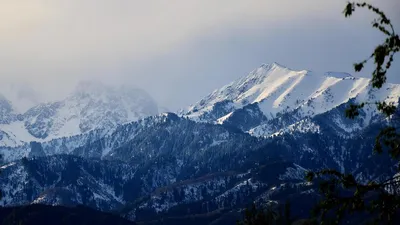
(111, 140)
(277, 89)
(92, 105)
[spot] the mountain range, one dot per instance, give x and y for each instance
(272, 91)
(252, 140)
(92, 105)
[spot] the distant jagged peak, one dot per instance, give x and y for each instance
(91, 105)
(274, 65)
(266, 73)
(266, 67)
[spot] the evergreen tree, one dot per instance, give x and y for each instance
(266, 216)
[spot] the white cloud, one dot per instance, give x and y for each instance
(60, 41)
(75, 33)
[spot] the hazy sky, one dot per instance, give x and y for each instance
(178, 50)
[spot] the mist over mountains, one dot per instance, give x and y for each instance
(92, 105)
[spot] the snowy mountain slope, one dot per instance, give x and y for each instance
(167, 155)
(15, 134)
(9, 133)
(332, 120)
(138, 141)
(69, 180)
(57, 146)
(272, 178)
(91, 106)
(277, 90)
(65, 180)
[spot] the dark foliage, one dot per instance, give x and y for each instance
(383, 53)
(50, 215)
(257, 216)
(271, 216)
(343, 195)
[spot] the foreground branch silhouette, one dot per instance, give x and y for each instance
(380, 200)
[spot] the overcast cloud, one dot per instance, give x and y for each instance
(177, 50)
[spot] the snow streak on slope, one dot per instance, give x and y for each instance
(15, 134)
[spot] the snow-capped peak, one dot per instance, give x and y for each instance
(273, 65)
(92, 105)
(276, 89)
(255, 87)
(266, 69)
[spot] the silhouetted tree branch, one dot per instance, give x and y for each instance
(379, 198)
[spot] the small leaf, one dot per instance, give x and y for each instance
(310, 176)
(348, 10)
(358, 67)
